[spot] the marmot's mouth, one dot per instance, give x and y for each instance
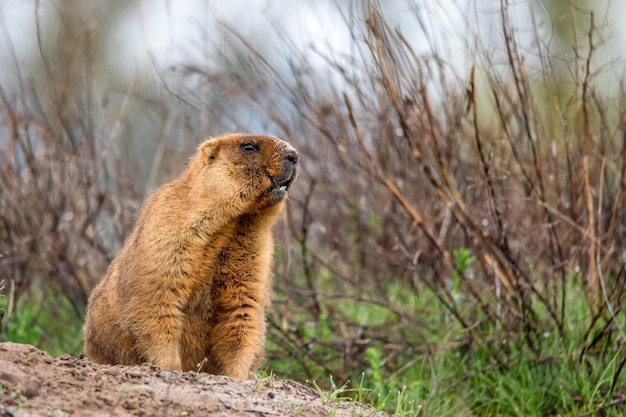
(283, 181)
(283, 184)
(280, 184)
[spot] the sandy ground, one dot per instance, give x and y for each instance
(34, 384)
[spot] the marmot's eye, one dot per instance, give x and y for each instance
(249, 147)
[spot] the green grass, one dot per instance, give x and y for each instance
(449, 378)
(454, 377)
(450, 384)
(43, 320)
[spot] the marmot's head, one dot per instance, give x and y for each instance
(256, 169)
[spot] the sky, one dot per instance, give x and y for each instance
(162, 33)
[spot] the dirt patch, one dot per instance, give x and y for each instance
(35, 384)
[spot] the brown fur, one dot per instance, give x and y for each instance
(189, 287)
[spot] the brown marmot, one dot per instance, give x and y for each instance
(188, 289)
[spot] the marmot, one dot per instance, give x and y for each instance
(188, 289)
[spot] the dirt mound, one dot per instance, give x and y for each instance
(34, 384)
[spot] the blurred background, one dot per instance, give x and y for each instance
(456, 242)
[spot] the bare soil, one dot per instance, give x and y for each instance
(34, 384)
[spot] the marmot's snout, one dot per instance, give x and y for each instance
(292, 156)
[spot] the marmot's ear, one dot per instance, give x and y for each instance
(209, 151)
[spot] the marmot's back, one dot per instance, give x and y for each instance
(188, 289)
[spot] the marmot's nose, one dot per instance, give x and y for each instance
(292, 156)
